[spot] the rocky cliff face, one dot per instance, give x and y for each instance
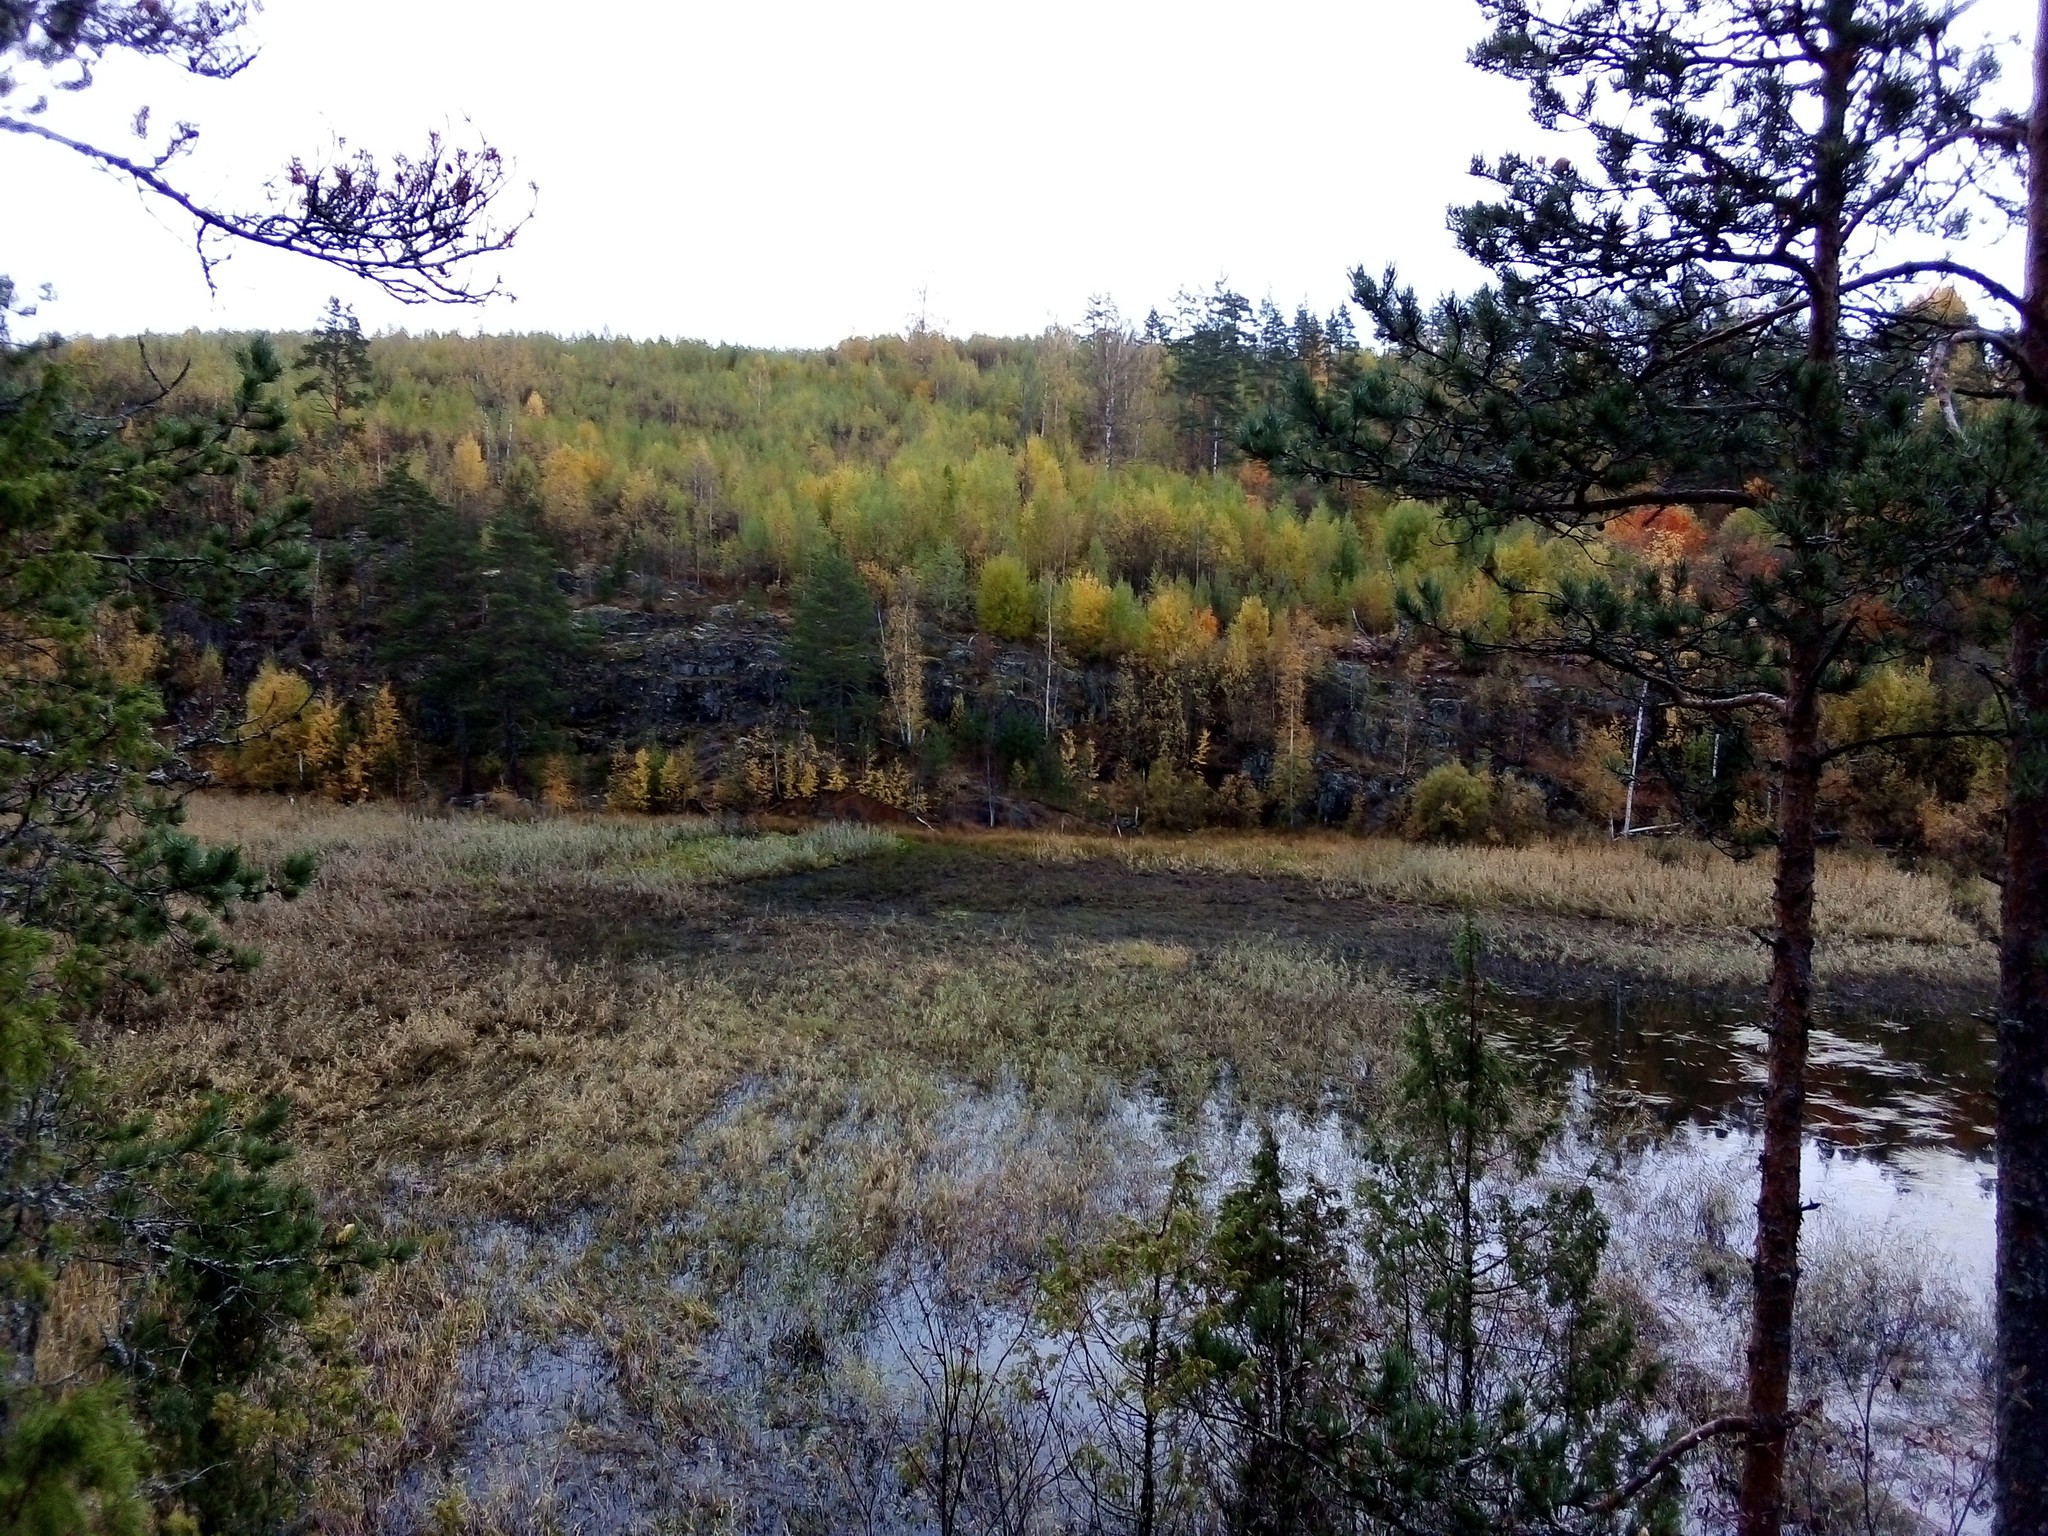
(1383, 715)
(658, 677)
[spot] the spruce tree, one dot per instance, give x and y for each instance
(475, 627)
(1210, 354)
(834, 669)
(336, 360)
(525, 640)
(1697, 318)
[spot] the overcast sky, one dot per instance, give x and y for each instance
(789, 174)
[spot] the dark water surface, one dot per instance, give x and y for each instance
(1899, 1105)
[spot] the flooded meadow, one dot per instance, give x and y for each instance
(799, 1181)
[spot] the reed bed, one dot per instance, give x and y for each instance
(1660, 886)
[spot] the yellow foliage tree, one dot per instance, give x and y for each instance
(1005, 605)
(635, 782)
(1293, 780)
(466, 470)
(375, 759)
(903, 659)
(273, 731)
(565, 493)
(130, 655)
(1177, 633)
(641, 500)
(1082, 615)
(558, 786)
(1599, 771)
(323, 747)
(681, 784)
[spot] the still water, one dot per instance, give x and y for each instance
(1899, 1105)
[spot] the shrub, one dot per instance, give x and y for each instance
(1006, 605)
(1239, 802)
(1174, 801)
(1518, 810)
(1451, 804)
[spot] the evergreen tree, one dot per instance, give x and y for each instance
(431, 603)
(1442, 1361)
(475, 626)
(105, 514)
(1696, 319)
(241, 1257)
(1509, 1393)
(833, 670)
(1277, 1341)
(94, 875)
(1210, 354)
(524, 640)
(337, 362)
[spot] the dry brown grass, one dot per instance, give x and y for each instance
(1659, 886)
(522, 1017)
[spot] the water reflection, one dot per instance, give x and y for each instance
(1878, 1085)
(1899, 1107)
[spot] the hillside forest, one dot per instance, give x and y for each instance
(995, 581)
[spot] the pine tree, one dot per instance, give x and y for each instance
(1277, 1341)
(1508, 1392)
(1693, 320)
(94, 875)
(94, 872)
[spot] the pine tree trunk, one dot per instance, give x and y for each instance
(2021, 1477)
(1775, 1266)
(2020, 1473)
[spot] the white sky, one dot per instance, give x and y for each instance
(787, 174)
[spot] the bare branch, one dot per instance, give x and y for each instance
(1684, 1445)
(409, 228)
